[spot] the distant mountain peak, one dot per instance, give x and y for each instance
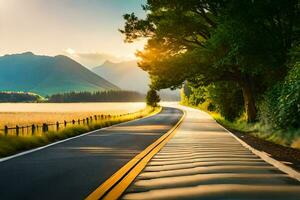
(28, 53)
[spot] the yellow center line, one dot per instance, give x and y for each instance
(114, 186)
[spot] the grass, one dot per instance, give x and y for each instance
(290, 138)
(12, 114)
(13, 144)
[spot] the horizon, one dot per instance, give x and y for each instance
(85, 31)
(88, 67)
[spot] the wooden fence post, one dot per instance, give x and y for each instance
(43, 127)
(5, 130)
(73, 121)
(57, 126)
(78, 121)
(17, 130)
(87, 121)
(32, 129)
(65, 122)
(83, 121)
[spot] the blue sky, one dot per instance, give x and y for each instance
(86, 30)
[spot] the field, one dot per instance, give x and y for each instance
(12, 114)
(12, 143)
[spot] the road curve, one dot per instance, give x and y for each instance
(73, 169)
(204, 161)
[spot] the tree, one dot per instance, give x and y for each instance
(152, 98)
(208, 41)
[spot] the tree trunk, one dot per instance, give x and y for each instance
(249, 100)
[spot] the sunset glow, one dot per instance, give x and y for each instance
(76, 28)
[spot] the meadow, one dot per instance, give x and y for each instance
(22, 114)
(11, 144)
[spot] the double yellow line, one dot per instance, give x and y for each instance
(113, 187)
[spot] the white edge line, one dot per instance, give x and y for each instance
(277, 164)
(71, 138)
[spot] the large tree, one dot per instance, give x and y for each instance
(206, 41)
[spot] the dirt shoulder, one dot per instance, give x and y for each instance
(287, 155)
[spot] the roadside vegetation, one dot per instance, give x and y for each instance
(13, 144)
(278, 109)
(152, 98)
(244, 66)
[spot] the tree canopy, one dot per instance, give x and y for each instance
(207, 41)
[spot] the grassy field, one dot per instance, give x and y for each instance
(12, 144)
(12, 114)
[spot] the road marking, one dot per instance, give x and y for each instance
(114, 186)
(72, 138)
(279, 165)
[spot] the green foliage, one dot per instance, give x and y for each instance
(223, 97)
(152, 98)
(290, 138)
(228, 99)
(19, 97)
(206, 42)
(281, 105)
(100, 96)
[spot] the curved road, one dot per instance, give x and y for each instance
(204, 161)
(73, 169)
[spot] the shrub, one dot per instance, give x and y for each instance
(152, 98)
(227, 98)
(280, 107)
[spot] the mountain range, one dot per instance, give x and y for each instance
(128, 76)
(47, 75)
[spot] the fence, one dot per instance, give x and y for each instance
(38, 129)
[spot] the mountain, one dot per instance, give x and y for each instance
(47, 75)
(128, 76)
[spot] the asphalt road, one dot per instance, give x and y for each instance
(204, 161)
(73, 169)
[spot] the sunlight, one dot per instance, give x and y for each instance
(70, 51)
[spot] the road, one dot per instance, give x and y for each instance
(204, 161)
(73, 169)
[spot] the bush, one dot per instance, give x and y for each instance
(227, 99)
(281, 104)
(152, 98)
(192, 95)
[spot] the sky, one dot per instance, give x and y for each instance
(86, 30)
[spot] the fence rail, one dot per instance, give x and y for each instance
(36, 129)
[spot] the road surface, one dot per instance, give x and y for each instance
(204, 161)
(73, 169)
